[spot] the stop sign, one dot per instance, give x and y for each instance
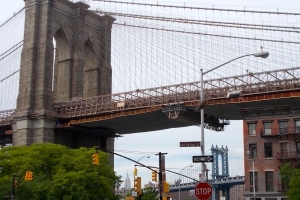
(203, 191)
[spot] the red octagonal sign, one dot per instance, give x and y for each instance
(203, 191)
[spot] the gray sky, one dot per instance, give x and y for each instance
(167, 141)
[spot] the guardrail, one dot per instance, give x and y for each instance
(236, 179)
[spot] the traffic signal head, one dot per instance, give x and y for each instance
(16, 184)
(154, 176)
(135, 171)
(95, 159)
(166, 187)
(28, 175)
(137, 185)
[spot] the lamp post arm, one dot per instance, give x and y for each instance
(227, 63)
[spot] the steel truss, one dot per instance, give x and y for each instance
(250, 84)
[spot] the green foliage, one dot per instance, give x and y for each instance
(59, 173)
(294, 191)
(291, 178)
(149, 193)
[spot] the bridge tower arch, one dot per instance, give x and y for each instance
(220, 174)
(45, 78)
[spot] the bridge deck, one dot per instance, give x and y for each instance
(264, 94)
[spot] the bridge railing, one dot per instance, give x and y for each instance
(230, 179)
(249, 84)
(236, 179)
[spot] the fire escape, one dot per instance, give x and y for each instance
(288, 139)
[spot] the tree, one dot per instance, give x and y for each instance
(149, 193)
(290, 178)
(59, 173)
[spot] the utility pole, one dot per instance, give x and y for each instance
(13, 187)
(161, 157)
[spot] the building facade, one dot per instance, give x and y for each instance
(269, 144)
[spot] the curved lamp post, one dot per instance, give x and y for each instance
(259, 54)
(138, 161)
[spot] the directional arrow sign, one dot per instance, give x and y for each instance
(197, 159)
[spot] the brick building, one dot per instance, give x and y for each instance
(268, 144)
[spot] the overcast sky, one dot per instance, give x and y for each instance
(167, 141)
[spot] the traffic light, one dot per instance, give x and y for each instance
(30, 178)
(15, 184)
(28, 175)
(154, 176)
(95, 159)
(135, 171)
(137, 185)
(166, 187)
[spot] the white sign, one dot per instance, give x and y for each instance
(203, 191)
(133, 193)
(222, 198)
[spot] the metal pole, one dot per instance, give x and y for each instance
(202, 122)
(180, 184)
(160, 177)
(179, 189)
(253, 176)
(13, 188)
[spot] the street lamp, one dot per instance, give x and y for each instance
(253, 177)
(142, 157)
(259, 54)
(180, 179)
(135, 170)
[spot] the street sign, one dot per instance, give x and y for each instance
(197, 159)
(203, 191)
(189, 144)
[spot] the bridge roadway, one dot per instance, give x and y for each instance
(264, 94)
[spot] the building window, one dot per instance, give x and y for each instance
(251, 129)
(269, 181)
(251, 181)
(297, 123)
(284, 150)
(267, 128)
(268, 150)
(283, 127)
(252, 149)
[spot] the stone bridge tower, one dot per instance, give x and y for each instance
(65, 56)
